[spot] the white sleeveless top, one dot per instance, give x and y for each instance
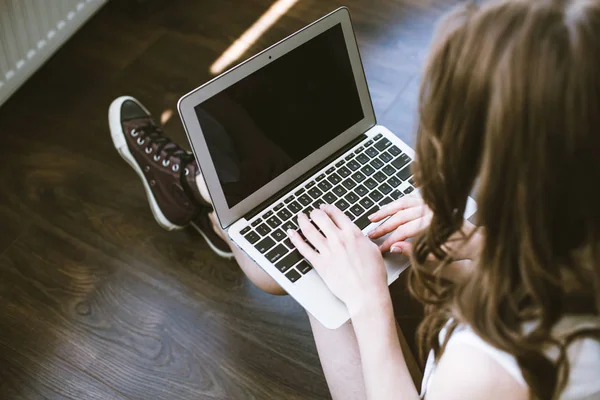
(583, 354)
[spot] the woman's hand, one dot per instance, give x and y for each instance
(409, 216)
(349, 263)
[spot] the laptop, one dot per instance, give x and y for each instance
(285, 131)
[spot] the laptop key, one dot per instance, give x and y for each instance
(367, 170)
(339, 163)
(264, 245)
(351, 198)
(288, 225)
(315, 193)
(294, 207)
(278, 207)
(274, 222)
(344, 172)
(358, 177)
(267, 214)
(284, 214)
(256, 222)
(385, 188)
(342, 204)
(263, 229)
(339, 190)
(386, 157)
(350, 216)
(317, 204)
(366, 202)
(305, 199)
(304, 267)
(385, 201)
(324, 186)
(412, 180)
(349, 157)
(278, 235)
(378, 136)
(389, 170)
(383, 144)
(289, 244)
(368, 142)
(405, 173)
(409, 190)
(359, 149)
(245, 230)
(330, 170)
(353, 165)
(380, 176)
(396, 194)
(361, 191)
(394, 150)
(330, 198)
(364, 221)
(370, 183)
(401, 161)
(334, 179)
(298, 192)
(277, 253)
(363, 159)
(252, 237)
(320, 177)
(288, 261)
(349, 184)
(357, 210)
(372, 152)
(289, 200)
(293, 275)
(376, 163)
(375, 195)
(394, 182)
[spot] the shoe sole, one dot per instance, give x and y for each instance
(118, 137)
(219, 252)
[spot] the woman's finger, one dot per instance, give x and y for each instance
(303, 247)
(408, 230)
(324, 223)
(311, 233)
(395, 206)
(400, 218)
(338, 217)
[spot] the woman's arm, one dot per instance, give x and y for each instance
(352, 267)
(385, 372)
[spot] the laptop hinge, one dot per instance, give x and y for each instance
(258, 209)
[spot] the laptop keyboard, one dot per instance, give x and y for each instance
(359, 184)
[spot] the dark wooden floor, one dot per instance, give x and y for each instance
(96, 301)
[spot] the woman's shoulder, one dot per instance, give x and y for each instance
(466, 347)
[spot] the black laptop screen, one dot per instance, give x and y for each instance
(262, 125)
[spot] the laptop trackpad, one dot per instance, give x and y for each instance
(395, 263)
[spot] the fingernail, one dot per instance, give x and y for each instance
(290, 232)
(322, 206)
(397, 250)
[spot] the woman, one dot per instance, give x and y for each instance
(510, 109)
(510, 103)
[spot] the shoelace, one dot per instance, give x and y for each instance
(165, 145)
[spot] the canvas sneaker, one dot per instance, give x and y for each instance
(168, 172)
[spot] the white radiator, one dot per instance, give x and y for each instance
(31, 31)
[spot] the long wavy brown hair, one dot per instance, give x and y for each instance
(510, 110)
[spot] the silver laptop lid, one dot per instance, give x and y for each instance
(263, 124)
